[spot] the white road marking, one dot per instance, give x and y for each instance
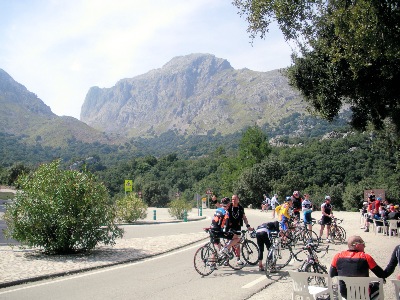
(106, 269)
(254, 282)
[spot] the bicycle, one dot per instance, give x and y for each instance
(249, 249)
(337, 233)
(313, 265)
(299, 232)
(275, 252)
(207, 258)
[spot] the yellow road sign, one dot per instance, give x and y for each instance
(128, 185)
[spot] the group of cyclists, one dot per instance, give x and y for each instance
(230, 217)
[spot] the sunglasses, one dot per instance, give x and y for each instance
(359, 243)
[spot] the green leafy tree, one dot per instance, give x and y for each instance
(61, 211)
(177, 208)
(256, 181)
(131, 208)
(253, 147)
(347, 53)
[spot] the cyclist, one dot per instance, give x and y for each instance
(263, 238)
(306, 207)
(326, 220)
(354, 262)
(219, 222)
(236, 217)
(296, 201)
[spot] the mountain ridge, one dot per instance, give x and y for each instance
(191, 94)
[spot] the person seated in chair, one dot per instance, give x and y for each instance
(354, 262)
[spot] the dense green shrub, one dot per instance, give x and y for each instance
(61, 211)
(177, 207)
(131, 208)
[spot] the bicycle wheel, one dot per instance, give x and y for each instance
(310, 237)
(339, 234)
(285, 257)
(250, 252)
(270, 262)
(234, 260)
(316, 268)
(205, 260)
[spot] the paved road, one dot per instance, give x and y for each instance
(170, 276)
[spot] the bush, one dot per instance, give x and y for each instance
(61, 211)
(131, 208)
(177, 207)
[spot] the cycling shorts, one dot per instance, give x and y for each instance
(284, 223)
(326, 220)
(216, 235)
(307, 218)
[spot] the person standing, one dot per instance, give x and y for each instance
(307, 207)
(326, 220)
(235, 222)
(274, 203)
(296, 204)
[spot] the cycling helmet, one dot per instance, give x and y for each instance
(327, 197)
(253, 234)
(288, 198)
(225, 201)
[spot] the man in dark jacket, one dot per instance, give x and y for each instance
(354, 262)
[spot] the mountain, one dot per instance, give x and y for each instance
(23, 114)
(192, 94)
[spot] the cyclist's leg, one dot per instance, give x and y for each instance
(261, 240)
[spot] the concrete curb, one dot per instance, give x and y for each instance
(115, 263)
(60, 274)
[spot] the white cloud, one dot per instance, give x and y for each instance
(59, 49)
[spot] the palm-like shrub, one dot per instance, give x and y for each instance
(131, 208)
(61, 211)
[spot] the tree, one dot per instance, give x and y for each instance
(256, 181)
(253, 147)
(347, 53)
(61, 211)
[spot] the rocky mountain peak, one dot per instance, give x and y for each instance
(191, 94)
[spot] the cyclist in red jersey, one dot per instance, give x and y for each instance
(354, 262)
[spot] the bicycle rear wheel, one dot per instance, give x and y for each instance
(310, 237)
(316, 268)
(250, 252)
(339, 235)
(270, 262)
(205, 260)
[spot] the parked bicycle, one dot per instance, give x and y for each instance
(312, 264)
(276, 252)
(337, 233)
(298, 232)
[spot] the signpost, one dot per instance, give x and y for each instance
(208, 192)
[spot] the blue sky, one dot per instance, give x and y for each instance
(59, 49)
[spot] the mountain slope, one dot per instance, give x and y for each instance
(193, 94)
(23, 114)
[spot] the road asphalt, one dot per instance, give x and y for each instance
(24, 265)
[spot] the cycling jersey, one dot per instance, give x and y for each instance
(353, 263)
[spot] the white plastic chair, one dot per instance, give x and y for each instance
(393, 227)
(383, 226)
(358, 288)
(396, 284)
(306, 291)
